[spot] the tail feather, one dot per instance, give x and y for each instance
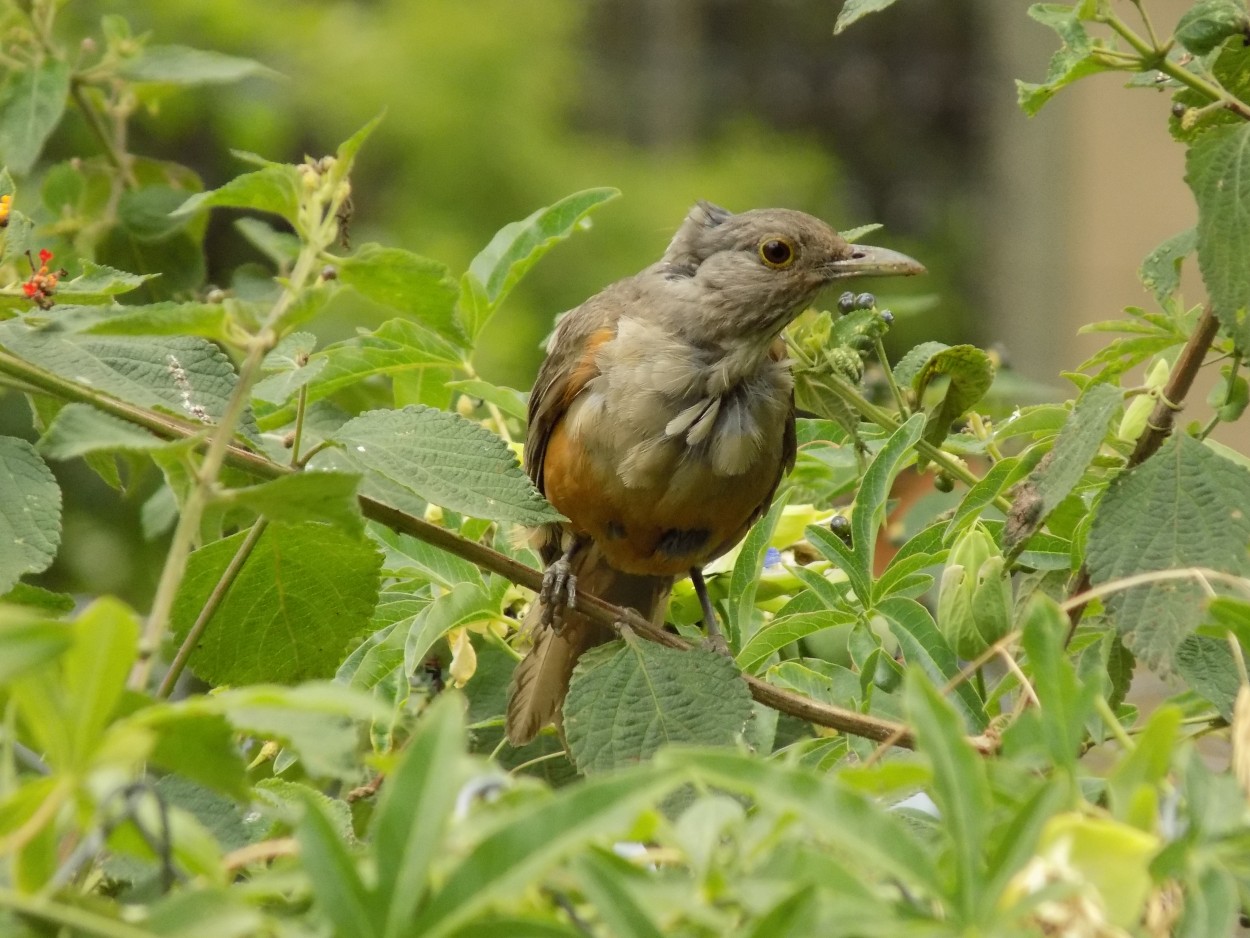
(541, 680)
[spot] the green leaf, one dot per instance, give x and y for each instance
(1217, 169)
(186, 376)
(396, 347)
(1208, 23)
(511, 401)
(403, 281)
(960, 788)
(204, 913)
(30, 108)
(1075, 59)
(30, 512)
(970, 372)
(923, 645)
(304, 592)
(515, 853)
(289, 367)
(305, 496)
(147, 212)
(319, 720)
(627, 699)
(180, 65)
(1186, 506)
(1161, 270)
(868, 515)
(98, 283)
(281, 247)
(1204, 663)
(1002, 475)
(857, 823)
(416, 806)
(1058, 474)
(171, 267)
(211, 320)
(786, 630)
(463, 604)
(602, 877)
(447, 460)
(340, 893)
(853, 10)
(518, 247)
(746, 573)
(27, 641)
(273, 189)
(79, 429)
(408, 557)
(199, 746)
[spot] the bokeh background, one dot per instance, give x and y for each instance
(496, 107)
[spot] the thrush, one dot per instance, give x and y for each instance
(661, 423)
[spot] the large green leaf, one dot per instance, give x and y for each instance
(627, 699)
(445, 459)
(413, 285)
(304, 496)
(416, 806)
(27, 640)
(1217, 169)
(31, 106)
(274, 189)
(305, 591)
(1076, 59)
(30, 512)
(1186, 506)
(518, 247)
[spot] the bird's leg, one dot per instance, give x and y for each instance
(715, 637)
(559, 590)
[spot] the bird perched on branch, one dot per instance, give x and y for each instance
(662, 421)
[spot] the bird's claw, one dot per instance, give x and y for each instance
(558, 593)
(715, 641)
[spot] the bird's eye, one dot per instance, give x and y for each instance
(778, 253)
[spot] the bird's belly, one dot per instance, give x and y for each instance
(680, 515)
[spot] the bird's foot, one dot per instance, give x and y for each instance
(559, 592)
(715, 641)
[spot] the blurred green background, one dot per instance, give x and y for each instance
(497, 107)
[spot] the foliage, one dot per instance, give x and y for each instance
(894, 748)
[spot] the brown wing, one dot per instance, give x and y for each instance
(569, 365)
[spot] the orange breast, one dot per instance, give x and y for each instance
(662, 530)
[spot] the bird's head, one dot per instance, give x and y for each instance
(753, 272)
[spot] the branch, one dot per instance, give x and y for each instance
(1158, 428)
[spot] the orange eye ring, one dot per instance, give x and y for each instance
(777, 252)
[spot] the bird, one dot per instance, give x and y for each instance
(661, 422)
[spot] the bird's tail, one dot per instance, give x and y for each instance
(541, 680)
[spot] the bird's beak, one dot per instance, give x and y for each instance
(868, 261)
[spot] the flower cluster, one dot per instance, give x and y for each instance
(42, 282)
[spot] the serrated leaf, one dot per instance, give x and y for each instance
(305, 496)
(1161, 270)
(516, 248)
(79, 429)
(403, 281)
(627, 699)
(182, 65)
(394, 348)
(273, 189)
(304, 592)
(1186, 506)
(1206, 665)
(186, 376)
(30, 512)
(1217, 169)
(1052, 481)
(408, 557)
(1208, 23)
(98, 283)
(853, 10)
(30, 108)
(210, 320)
(447, 460)
(1074, 60)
